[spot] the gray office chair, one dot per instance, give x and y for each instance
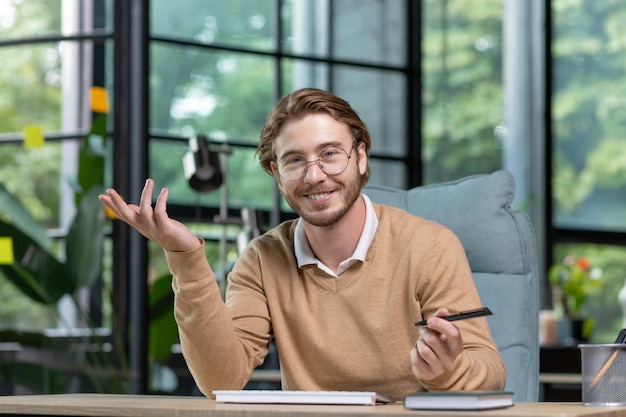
(500, 245)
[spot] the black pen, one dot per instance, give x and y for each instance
(479, 312)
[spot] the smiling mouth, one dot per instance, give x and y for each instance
(319, 196)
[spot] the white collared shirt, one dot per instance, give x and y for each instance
(305, 255)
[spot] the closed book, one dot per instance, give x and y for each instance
(458, 400)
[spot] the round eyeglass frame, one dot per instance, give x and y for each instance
(318, 161)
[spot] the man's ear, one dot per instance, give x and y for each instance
(274, 169)
(362, 155)
(276, 176)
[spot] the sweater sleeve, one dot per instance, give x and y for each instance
(448, 282)
(218, 355)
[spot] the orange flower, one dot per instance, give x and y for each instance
(583, 263)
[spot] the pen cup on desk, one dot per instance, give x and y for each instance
(603, 373)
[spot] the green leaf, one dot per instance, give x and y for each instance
(35, 271)
(162, 330)
(84, 241)
(162, 334)
(21, 218)
(161, 296)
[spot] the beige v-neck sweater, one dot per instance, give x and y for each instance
(354, 332)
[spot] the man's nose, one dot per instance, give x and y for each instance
(313, 172)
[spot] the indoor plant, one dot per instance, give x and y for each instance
(572, 281)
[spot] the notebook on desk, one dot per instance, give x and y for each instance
(300, 397)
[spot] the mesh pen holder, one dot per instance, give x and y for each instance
(604, 374)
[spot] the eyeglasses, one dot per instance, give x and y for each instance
(333, 160)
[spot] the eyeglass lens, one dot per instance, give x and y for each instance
(332, 160)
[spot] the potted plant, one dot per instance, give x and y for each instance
(573, 281)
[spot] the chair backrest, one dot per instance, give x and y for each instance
(500, 244)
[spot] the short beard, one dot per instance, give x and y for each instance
(352, 193)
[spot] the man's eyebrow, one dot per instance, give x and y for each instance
(288, 153)
(319, 148)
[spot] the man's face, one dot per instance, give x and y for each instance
(320, 199)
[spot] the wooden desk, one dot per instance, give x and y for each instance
(157, 406)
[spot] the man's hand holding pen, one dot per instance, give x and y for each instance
(439, 342)
(437, 347)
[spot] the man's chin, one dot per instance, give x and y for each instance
(321, 218)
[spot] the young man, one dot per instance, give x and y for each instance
(339, 288)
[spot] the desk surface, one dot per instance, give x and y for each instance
(157, 406)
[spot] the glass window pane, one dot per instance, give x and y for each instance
(33, 177)
(462, 88)
(298, 73)
(379, 97)
(47, 85)
(588, 118)
(248, 184)
(381, 105)
(237, 23)
(225, 95)
(363, 30)
(30, 76)
(31, 18)
(369, 30)
(388, 173)
(166, 168)
(36, 18)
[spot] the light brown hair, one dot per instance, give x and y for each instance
(301, 103)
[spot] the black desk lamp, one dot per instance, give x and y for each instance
(202, 166)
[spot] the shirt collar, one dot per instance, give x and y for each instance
(304, 253)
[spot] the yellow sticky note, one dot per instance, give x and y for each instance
(6, 250)
(33, 136)
(99, 100)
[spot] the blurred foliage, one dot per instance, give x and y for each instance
(601, 306)
(589, 175)
(463, 100)
(32, 176)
